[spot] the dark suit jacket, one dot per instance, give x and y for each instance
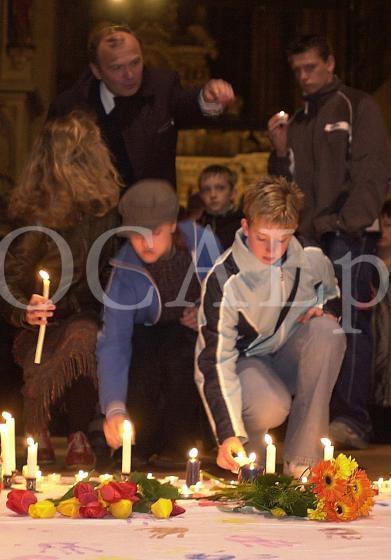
(160, 108)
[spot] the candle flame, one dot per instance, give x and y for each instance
(252, 457)
(281, 113)
(268, 439)
(30, 441)
(127, 427)
(6, 415)
(325, 441)
(43, 274)
(193, 453)
(304, 479)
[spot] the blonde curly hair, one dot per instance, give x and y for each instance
(69, 173)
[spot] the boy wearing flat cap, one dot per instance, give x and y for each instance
(150, 325)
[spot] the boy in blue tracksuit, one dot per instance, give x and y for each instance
(268, 332)
(150, 323)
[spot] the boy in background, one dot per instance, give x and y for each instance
(217, 191)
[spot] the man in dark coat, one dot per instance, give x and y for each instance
(139, 110)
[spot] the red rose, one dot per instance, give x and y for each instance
(19, 501)
(176, 510)
(114, 491)
(94, 510)
(85, 493)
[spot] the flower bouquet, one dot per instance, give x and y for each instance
(97, 500)
(336, 490)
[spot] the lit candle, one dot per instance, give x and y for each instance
(42, 328)
(5, 450)
(81, 475)
(104, 478)
(328, 451)
(126, 447)
(251, 471)
(241, 459)
(270, 455)
(193, 468)
(32, 452)
(281, 114)
(55, 478)
(10, 423)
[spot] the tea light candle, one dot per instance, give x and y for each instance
(32, 453)
(42, 328)
(105, 478)
(171, 479)
(328, 451)
(80, 476)
(270, 455)
(193, 468)
(55, 478)
(251, 471)
(126, 447)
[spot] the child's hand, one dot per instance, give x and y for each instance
(225, 457)
(38, 310)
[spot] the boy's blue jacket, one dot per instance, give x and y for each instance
(132, 298)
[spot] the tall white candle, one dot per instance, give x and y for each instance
(328, 451)
(32, 453)
(42, 328)
(270, 455)
(10, 422)
(126, 447)
(5, 450)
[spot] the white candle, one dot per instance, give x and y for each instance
(42, 328)
(270, 455)
(32, 453)
(126, 447)
(5, 450)
(103, 478)
(10, 423)
(328, 451)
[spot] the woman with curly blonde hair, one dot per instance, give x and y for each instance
(67, 197)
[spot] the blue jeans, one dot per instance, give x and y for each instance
(350, 396)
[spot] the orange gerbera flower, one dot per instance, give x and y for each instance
(359, 487)
(366, 507)
(342, 509)
(327, 485)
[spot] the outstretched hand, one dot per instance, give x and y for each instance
(112, 428)
(218, 91)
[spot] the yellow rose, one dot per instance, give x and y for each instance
(42, 510)
(121, 509)
(162, 508)
(69, 508)
(278, 512)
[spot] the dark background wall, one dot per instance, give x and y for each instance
(250, 37)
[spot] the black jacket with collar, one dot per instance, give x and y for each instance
(149, 129)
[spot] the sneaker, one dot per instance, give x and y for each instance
(296, 470)
(79, 453)
(46, 454)
(345, 437)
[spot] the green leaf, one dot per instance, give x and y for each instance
(143, 506)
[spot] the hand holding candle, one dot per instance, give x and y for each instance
(270, 455)
(42, 328)
(328, 452)
(126, 447)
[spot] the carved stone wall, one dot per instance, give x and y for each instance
(26, 73)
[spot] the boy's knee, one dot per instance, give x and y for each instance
(327, 331)
(270, 411)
